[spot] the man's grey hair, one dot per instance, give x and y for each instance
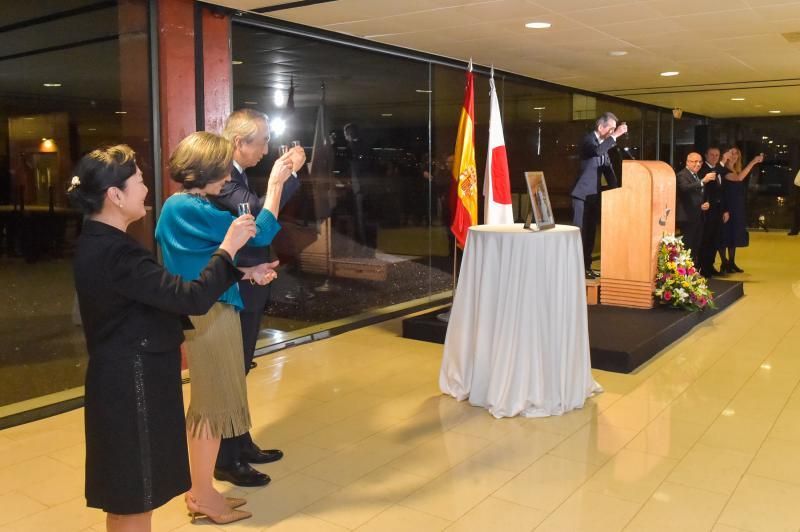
(243, 124)
(605, 118)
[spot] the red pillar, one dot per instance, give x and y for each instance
(217, 78)
(176, 73)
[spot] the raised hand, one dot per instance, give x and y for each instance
(298, 157)
(282, 169)
(240, 231)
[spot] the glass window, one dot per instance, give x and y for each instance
(69, 82)
(365, 231)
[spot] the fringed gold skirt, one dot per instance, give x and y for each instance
(218, 403)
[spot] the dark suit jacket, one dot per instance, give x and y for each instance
(129, 303)
(238, 191)
(595, 163)
(690, 197)
(712, 192)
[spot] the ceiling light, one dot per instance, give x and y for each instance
(28, 118)
(236, 62)
(737, 99)
(277, 98)
(538, 25)
(120, 112)
(278, 126)
(51, 84)
(775, 112)
(540, 108)
(670, 73)
(617, 53)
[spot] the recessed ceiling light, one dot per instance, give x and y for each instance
(737, 99)
(775, 112)
(120, 112)
(540, 108)
(237, 62)
(538, 25)
(51, 84)
(670, 73)
(617, 53)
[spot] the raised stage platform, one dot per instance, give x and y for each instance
(621, 339)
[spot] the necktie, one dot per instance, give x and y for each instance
(244, 178)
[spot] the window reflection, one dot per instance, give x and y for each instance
(68, 84)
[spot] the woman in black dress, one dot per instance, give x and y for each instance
(734, 233)
(132, 308)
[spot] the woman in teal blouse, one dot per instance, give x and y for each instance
(189, 230)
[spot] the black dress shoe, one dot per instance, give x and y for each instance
(253, 364)
(793, 232)
(241, 474)
(253, 455)
(590, 274)
(734, 268)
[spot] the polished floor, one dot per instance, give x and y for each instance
(705, 437)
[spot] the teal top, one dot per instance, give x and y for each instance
(190, 228)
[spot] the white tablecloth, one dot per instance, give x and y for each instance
(518, 339)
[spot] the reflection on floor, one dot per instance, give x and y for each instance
(705, 437)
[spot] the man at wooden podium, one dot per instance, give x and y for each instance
(595, 164)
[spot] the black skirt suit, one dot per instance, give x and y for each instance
(133, 315)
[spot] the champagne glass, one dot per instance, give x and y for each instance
(243, 208)
(283, 149)
(296, 144)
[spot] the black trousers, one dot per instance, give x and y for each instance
(692, 232)
(712, 235)
(585, 214)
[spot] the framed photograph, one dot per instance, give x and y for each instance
(540, 200)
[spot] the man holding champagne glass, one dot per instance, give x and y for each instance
(248, 131)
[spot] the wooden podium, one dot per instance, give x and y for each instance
(635, 216)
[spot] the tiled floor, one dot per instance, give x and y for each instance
(705, 437)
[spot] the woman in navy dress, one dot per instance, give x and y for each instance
(734, 232)
(133, 312)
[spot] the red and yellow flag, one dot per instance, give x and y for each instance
(464, 188)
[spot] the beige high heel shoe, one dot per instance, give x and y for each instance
(235, 502)
(198, 511)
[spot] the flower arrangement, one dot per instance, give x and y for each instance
(678, 283)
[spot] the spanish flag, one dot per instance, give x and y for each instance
(464, 188)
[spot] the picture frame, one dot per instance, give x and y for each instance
(540, 200)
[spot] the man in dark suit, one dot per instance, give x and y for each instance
(691, 203)
(595, 165)
(716, 215)
(248, 131)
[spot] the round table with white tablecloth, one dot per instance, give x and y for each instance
(518, 340)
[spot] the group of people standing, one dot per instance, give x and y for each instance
(711, 198)
(137, 313)
(711, 208)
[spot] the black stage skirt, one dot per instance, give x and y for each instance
(136, 454)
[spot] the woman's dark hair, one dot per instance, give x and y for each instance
(200, 159)
(96, 172)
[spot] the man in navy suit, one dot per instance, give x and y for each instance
(595, 164)
(691, 203)
(716, 215)
(248, 131)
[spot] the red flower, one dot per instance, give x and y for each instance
(667, 295)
